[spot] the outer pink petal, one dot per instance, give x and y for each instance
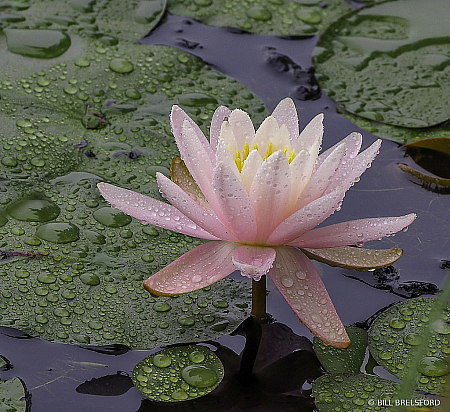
(242, 127)
(349, 172)
(235, 203)
(286, 113)
(220, 114)
(353, 232)
(200, 267)
(298, 281)
(253, 261)
(149, 210)
(306, 219)
(270, 192)
(177, 118)
(191, 209)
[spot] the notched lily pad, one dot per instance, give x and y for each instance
(348, 360)
(392, 61)
(178, 374)
(396, 335)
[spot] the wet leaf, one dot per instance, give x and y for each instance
(396, 133)
(354, 257)
(432, 183)
(366, 393)
(270, 17)
(178, 374)
(396, 335)
(12, 396)
(392, 61)
(86, 285)
(348, 360)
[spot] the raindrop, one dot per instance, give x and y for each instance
(433, 366)
(120, 65)
(111, 217)
(199, 376)
(161, 361)
(196, 356)
(186, 320)
(397, 323)
(161, 307)
(58, 232)
(43, 44)
(90, 279)
(33, 210)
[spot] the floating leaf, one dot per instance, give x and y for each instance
(76, 265)
(396, 133)
(178, 374)
(347, 360)
(354, 257)
(432, 183)
(12, 396)
(397, 333)
(392, 60)
(270, 17)
(338, 392)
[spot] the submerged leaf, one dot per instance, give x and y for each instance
(348, 360)
(349, 257)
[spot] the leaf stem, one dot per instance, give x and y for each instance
(259, 299)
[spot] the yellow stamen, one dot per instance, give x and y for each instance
(238, 161)
(269, 150)
(291, 156)
(285, 150)
(245, 151)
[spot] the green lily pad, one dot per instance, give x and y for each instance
(12, 396)
(396, 335)
(348, 360)
(392, 63)
(396, 133)
(269, 17)
(358, 393)
(178, 374)
(100, 111)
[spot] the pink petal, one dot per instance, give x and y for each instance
(192, 210)
(177, 118)
(311, 136)
(353, 232)
(286, 113)
(352, 142)
(349, 172)
(253, 261)
(298, 281)
(235, 202)
(242, 128)
(219, 116)
(270, 193)
(200, 267)
(306, 219)
(321, 178)
(149, 210)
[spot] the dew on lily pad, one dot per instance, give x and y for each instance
(178, 373)
(33, 209)
(396, 335)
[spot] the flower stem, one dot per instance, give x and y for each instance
(259, 299)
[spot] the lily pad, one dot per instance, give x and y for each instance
(396, 133)
(269, 17)
(392, 60)
(12, 396)
(336, 392)
(178, 374)
(348, 360)
(100, 112)
(396, 335)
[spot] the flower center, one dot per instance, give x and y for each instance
(245, 152)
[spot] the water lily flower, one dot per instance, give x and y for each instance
(257, 198)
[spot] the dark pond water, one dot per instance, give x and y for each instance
(69, 378)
